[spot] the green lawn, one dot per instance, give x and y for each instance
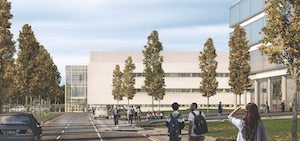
(43, 116)
(277, 129)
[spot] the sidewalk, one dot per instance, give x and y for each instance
(161, 134)
(155, 134)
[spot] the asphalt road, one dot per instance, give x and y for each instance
(81, 127)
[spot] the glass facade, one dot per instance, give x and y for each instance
(76, 88)
(183, 75)
(253, 31)
(245, 9)
(266, 85)
(258, 63)
(186, 90)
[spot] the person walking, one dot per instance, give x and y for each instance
(250, 127)
(267, 107)
(175, 123)
(138, 113)
(283, 106)
(130, 112)
(220, 110)
(135, 114)
(191, 118)
(116, 115)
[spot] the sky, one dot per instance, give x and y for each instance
(71, 29)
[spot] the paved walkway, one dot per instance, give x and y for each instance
(161, 134)
(155, 134)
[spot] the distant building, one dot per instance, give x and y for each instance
(181, 78)
(270, 81)
(92, 84)
(76, 88)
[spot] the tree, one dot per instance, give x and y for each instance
(38, 76)
(47, 76)
(239, 58)
(154, 82)
(281, 42)
(7, 50)
(26, 61)
(117, 84)
(61, 96)
(128, 79)
(208, 66)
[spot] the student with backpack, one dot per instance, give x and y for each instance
(130, 113)
(197, 124)
(175, 123)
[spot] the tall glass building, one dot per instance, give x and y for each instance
(270, 81)
(76, 88)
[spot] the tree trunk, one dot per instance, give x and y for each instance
(245, 98)
(1, 103)
(152, 103)
(26, 102)
(207, 103)
(235, 100)
(159, 105)
(55, 104)
(240, 99)
(294, 126)
(128, 102)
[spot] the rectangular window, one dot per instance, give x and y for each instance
(244, 9)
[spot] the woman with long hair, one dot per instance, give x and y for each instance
(250, 126)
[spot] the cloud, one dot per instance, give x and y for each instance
(70, 29)
(193, 38)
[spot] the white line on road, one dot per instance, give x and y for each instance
(96, 129)
(58, 137)
(63, 131)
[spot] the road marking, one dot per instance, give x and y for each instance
(95, 127)
(63, 131)
(58, 137)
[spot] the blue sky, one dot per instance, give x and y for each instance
(71, 29)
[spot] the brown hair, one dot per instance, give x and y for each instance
(251, 120)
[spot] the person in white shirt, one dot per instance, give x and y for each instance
(250, 126)
(191, 117)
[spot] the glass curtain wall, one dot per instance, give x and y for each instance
(76, 89)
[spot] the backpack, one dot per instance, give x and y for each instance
(174, 126)
(131, 111)
(200, 124)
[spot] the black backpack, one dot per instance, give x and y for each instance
(174, 126)
(200, 124)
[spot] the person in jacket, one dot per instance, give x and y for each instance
(220, 110)
(250, 127)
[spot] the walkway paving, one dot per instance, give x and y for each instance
(161, 134)
(155, 134)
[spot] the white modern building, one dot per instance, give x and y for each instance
(181, 78)
(270, 81)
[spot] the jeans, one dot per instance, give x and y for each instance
(116, 119)
(175, 138)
